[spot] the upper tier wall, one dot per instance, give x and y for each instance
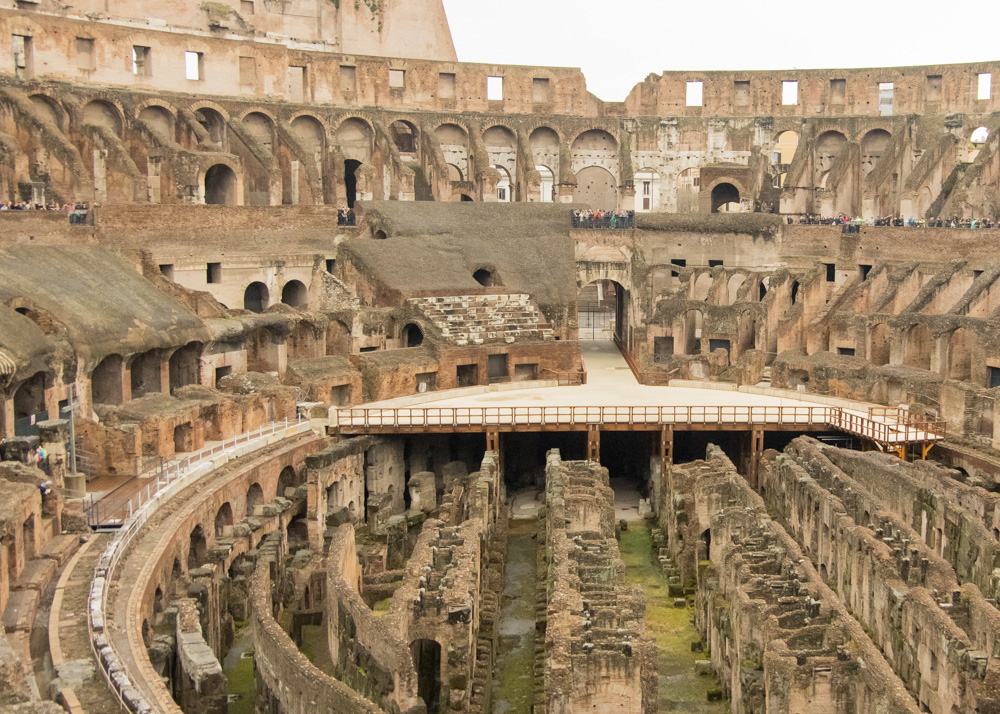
(309, 65)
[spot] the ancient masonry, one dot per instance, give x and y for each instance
(338, 375)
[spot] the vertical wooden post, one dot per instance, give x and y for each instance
(594, 443)
(756, 449)
(666, 448)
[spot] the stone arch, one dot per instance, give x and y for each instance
(917, 346)
(961, 345)
(977, 139)
(221, 186)
(879, 344)
(261, 127)
(504, 185)
(594, 140)
(596, 187)
(405, 136)
(106, 381)
(452, 134)
(412, 335)
(602, 307)
(213, 120)
(185, 366)
(785, 145)
(338, 338)
(146, 373)
(160, 121)
(688, 187)
(44, 319)
(50, 108)
(924, 200)
(547, 184)
(828, 146)
(702, 286)
(104, 114)
(295, 293)
(29, 398)
(544, 138)
(197, 548)
(354, 138)
(647, 192)
(874, 144)
(310, 133)
(255, 297)
(224, 521)
(735, 283)
(762, 287)
(500, 137)
(287, 479)
(427, 662)
(255, 497)
(725, 198)
(454, 173)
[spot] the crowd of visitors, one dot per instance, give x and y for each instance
(78, 212)
(606, 220)
(346, 217)
(856, 223)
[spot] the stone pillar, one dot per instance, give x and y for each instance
(54, 437)
(423, 492)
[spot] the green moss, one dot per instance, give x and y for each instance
(241, 684)
(513, 684)
(382, 606)
(680, 688)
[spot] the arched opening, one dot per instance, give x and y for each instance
(197, 548)
(427, 662)
(694, 321)
(503, 185)
(976, 142)
(104, 115)
(157, 602)
(29, 399)
(465, 198)
(917, 347)
(784, 150)
(354, 137)
(260, 127)
(287, 481)
(379, 235)
(454, 143)
(794, 292)
(454, 173)
(486, 277)
(224, 521)
(597, 188)
(960, 348)
(255, 297)
(646, 191)
(404, 136)
(725, 199)
(874, 144)
(702, 286)
(706, 538)
(878, 352)
(762, 288)
(213, 123)
(351, 180)
(828, 146)
(546, 190)
(688, 187)
(413, 336)
(255, 497)
(602, 312)
(159, 121)
(185, 366)
(220, 186)
(295, 294)
(106, 381)
(338, 338)
(735, 283)
(49, 108)
(146, 375)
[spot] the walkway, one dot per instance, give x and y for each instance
(612, 398)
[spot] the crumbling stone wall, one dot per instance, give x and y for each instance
(598, 656)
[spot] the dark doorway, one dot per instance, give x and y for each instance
(602, 309)
(427, 661)
(524, 454)
(625, 454)
(496, 368)
(467, 375)
(351, 180)
(255, 297)
(725, 198)
(220, 186)
(413, 336)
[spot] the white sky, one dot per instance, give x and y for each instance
(618, 42)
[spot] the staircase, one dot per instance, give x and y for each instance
(478, 319)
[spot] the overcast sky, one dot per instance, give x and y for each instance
(618, 42)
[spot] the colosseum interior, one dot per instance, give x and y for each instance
(338, 375)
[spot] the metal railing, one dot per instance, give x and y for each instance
(836, 417)
(589, 220)
(140, 508)
(566, 379)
